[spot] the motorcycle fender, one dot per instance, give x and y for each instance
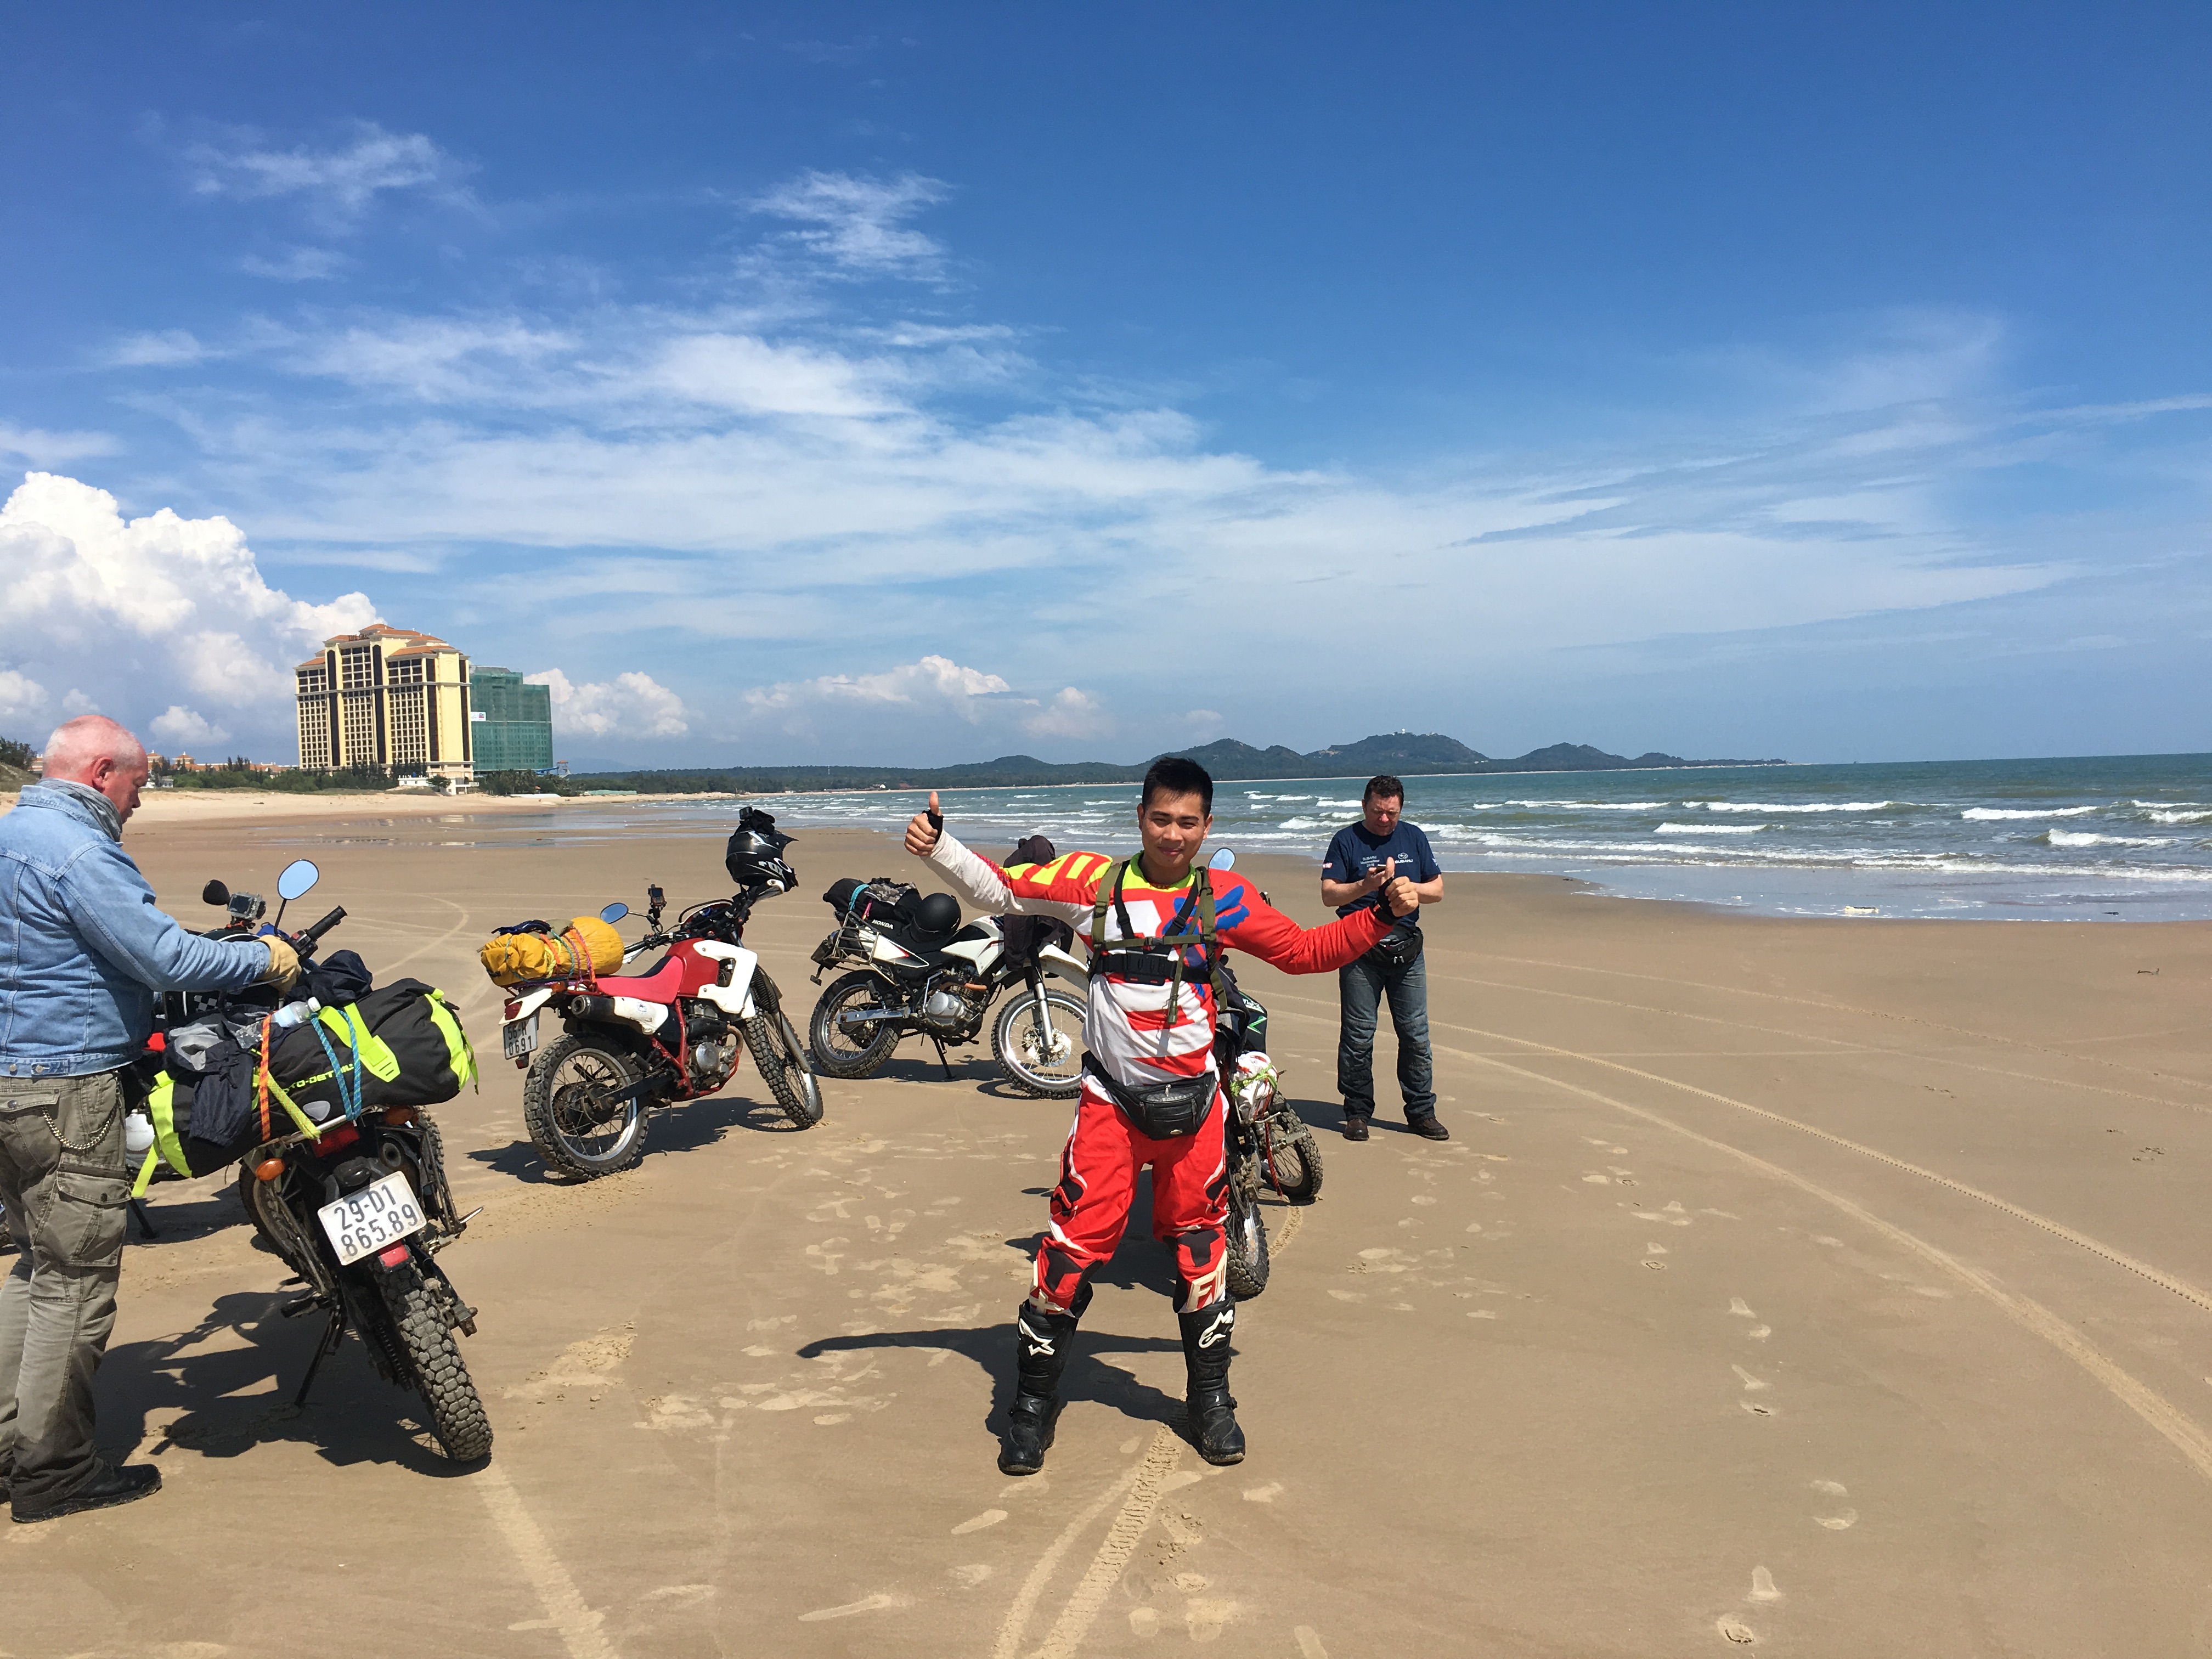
(737, 997)
(523, 1007)
(1053, 960)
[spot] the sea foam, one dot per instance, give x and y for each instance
(1985, 813)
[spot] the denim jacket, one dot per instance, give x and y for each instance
(82, 948)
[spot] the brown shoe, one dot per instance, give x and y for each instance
(1428, 1128)
(1355, 1127)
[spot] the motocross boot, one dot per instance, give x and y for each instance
(1041, 1342)
(1206, 1336)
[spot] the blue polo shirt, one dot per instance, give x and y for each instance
(1356, 853)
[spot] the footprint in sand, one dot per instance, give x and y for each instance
(1734, 1629)
(1762, 1586)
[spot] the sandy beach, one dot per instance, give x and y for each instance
(1821, 1287)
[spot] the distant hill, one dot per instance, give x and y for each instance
(1405, 753)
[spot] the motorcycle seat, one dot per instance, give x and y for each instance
(659, 983)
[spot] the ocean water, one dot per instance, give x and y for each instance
(2104, 838)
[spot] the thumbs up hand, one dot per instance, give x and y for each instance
(921, 830)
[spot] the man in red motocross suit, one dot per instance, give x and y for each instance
(1144, 1030)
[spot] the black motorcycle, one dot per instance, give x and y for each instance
(916, 971)
(356, 1205)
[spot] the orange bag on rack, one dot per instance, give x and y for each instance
(586, 946)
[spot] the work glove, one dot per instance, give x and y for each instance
(283, 964)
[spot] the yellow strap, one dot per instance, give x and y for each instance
(376, 1052)
(146, 1173)
(461, 1053)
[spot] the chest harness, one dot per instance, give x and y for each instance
(1158, 959)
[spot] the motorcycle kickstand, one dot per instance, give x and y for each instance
(324, 1348)
(941, 1060)
(145, 1221)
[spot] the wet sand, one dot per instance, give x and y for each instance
(1825, 1287)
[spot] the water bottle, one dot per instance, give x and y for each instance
(297, 1013)
(138, 1132)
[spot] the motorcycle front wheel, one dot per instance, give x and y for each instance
(566, 1109)
(1040, 1053)
(1289, 1157)
(781, 1058)
(441, 1376)
(1248, 1243)
(855, 1051)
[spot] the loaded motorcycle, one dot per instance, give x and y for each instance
(917, 971)
(353, 1195)
(673, 1032)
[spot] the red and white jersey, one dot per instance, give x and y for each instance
(1126, 1023)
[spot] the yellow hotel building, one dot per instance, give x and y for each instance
(389, 697)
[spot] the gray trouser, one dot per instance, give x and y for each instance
(1362, 988)
(63, 1180)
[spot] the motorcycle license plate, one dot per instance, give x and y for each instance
(373, 1218)
(518, 1036)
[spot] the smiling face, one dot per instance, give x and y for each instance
(1173, 827)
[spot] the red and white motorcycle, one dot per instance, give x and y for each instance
(632, 1041)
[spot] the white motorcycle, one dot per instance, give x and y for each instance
(916, 971)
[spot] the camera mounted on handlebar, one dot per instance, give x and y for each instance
(246, 909)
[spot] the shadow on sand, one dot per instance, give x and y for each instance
(353, 1416)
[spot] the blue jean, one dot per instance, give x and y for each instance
(1361, 987)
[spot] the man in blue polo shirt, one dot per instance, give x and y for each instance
(1362, 857)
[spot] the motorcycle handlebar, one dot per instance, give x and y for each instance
(312, 935)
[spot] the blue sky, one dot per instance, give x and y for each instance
(903, 383)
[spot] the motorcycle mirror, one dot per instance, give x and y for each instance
(1224, 859)
(614, 913)
(215, 893)
(654, 896)
(297, 878)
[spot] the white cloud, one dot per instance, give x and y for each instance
(338, 184)
(858, 224)
(182, 728)
(173, 348)
(1069, 712)
(21, 697)
(935, 685)
(171, 613)
(298, 264)
(631, 705)
(42, 448)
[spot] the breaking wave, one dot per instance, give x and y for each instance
(1983, 814)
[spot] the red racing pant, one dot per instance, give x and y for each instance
(1097, 1179)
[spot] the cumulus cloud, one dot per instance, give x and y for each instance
(937, 684)
(631, 705)
(1068, 713)
(860, 224)
(154, 613)
(21, 697)
(186, 728)
(338, 184)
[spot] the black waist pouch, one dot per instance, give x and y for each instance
(1398, 948)
(1161, 1111)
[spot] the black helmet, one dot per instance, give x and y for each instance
(938, 914)
(754, 858)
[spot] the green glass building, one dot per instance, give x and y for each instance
(512, 723)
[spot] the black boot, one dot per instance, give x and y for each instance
(1206, 1336)
(1041, 1341)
